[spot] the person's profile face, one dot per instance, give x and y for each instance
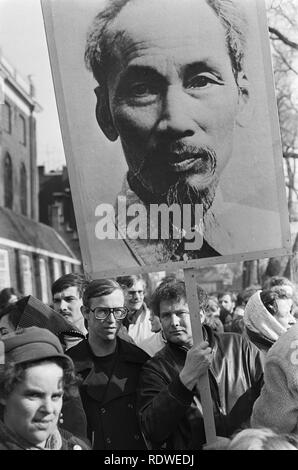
(172, 95)
(5, 325)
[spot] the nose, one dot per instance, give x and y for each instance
(63, 305)
(292, 319)
(176, 114)
(111, 319)
(47, 406)
(175, 320)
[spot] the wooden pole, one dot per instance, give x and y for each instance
(197, 333)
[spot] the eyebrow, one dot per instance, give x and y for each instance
(201, 66)
(176, 311)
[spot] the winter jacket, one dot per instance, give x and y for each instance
(171, 415)
(109, 402)
(277, 406)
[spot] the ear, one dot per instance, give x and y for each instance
(103, 113)
(85, 312)
(244, 101)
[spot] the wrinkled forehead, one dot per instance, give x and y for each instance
(179, 28)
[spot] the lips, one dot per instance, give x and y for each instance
(42, 425)
(184, 165)
(201, 161)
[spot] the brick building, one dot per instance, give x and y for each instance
(32, 255)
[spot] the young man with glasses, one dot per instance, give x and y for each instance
(109, 368)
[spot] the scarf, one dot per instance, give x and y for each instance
(259, 320)
(14, 441)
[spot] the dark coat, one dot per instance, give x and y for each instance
(262, 343)
(170, 414)
(112, 421)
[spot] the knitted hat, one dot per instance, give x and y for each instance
(31, 344)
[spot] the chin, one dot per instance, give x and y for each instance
(192, 190)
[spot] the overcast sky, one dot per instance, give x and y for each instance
(23, 43)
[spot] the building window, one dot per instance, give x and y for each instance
(67, 268)
(26, 270)
(7, 183)
(56, 269)
(43, 280)
(4, 269)
(23, 189)
(22, 130)
(7, 117)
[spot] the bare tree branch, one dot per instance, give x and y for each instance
(283, 38)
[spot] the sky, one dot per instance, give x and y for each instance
(23, 44)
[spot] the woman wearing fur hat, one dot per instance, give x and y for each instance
(34, 375)
(267, 316)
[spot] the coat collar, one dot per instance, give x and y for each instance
(83, 356)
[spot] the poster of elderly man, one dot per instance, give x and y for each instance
(169, 122)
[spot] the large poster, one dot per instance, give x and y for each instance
(169, 122)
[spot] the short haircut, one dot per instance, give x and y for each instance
(6, 294)
(174, 290)
(14, 312)
(99, 288)
(70, 280)
(12, 374)
(128, 281)
(232, 295)
(99, 45)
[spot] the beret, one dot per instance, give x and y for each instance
(32, 344)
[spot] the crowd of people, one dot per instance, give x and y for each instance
(101, 368)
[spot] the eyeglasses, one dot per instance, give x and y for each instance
(101, 313)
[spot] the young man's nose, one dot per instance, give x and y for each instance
(111, 318)
(176, 117)
(63, 305)
(291, 319)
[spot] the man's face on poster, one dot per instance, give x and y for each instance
(173, 98)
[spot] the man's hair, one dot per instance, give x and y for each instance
(231, 294)
(99, 288)
(99, 45)
(128, 281)
(70, 280)
(6, 294)
(174, 290)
